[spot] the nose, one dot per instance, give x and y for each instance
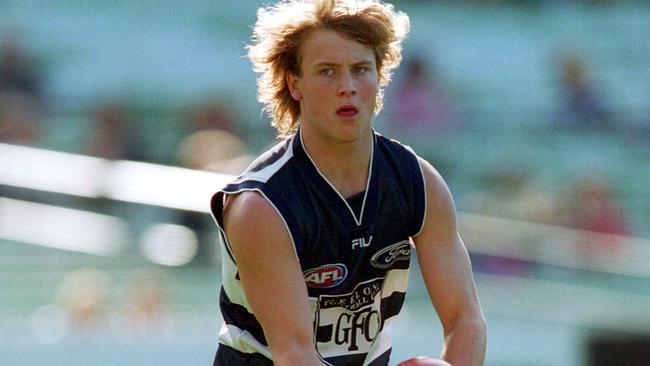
(347, 85)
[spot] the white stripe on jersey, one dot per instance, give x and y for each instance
(264, 174)
(231, 285)
(396, 281)
(242, 340)
(382, 343)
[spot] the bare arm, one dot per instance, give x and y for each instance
(445, 267)
(271, 278)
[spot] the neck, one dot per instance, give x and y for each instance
(345, 165)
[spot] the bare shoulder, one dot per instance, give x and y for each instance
(249, 206)
(253, 226)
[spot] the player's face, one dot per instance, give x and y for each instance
(337, 88)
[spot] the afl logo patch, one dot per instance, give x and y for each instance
(400, 251)
(326, 276)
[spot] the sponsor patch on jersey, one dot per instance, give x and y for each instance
(326, 276)
(400, 251)
(350, 322)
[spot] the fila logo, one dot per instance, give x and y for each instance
(326, 276)
(361, 242)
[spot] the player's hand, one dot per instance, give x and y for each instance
(424, 361)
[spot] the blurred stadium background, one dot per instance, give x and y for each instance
(118, 119)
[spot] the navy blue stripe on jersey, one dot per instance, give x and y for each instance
(239, 316)
(228, 356)
(227, 246)
(358, 360)
(381, 360)
(390, 306)
(348, 360)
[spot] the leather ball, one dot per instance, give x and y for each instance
(424, 361)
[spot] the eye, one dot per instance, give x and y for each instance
(327, 72)
(360, 70)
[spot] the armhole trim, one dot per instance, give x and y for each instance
(424, 192)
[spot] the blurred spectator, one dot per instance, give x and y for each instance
(211, 115)
(112, 136)
(21, 95)
(582, 106)
(418, 102)
(83, 296)
(214, 150)
(595, 210)
(146, 309)
(19, 119)
(644, 126)
(17, 71)
(212, 144)
(512, 194)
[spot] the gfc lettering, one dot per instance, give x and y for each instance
(351, 327)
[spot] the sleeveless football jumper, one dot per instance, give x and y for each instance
(354, 253)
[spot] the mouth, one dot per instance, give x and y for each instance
(347, 112)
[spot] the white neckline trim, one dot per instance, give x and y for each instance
(365, 195)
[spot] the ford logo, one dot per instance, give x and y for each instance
(400, 251)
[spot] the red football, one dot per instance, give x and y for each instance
(423, 361)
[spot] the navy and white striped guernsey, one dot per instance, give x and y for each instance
(354, 253)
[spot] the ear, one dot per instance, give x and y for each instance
(294, 88)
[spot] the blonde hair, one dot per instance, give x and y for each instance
(280, 30)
